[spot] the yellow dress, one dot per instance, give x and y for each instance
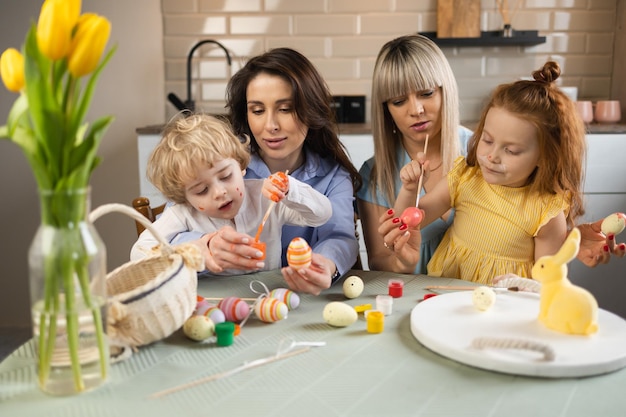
(494, 227)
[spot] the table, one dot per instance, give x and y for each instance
(356, 374)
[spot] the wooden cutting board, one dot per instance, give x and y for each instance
(458, 18)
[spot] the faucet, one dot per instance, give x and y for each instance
(189, 103)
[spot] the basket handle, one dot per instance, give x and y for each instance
(121, 208)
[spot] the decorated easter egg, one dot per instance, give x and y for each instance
(614, 224)
(198, 327)
(204, 308)
(287, 296)
(411, 216)
(299, 253)
(271, 309)
(483, 298)
(339, 314)
(353, 286)
(234, 308)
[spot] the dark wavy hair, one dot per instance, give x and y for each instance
(311, 98)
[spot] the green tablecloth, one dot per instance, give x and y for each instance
(356, 374)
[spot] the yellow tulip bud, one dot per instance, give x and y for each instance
(54, 28)
(74, 10)
(12, 69)
(90, 39)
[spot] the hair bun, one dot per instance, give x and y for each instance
(548, 74)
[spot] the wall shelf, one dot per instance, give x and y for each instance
(491, 38)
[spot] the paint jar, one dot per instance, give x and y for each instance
(260, 246)
(384, 304)
(225, 333)
(375, 321)
(395, 287)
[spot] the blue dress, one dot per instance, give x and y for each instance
(431, 234)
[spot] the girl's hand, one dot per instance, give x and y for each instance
(229, 249)
(311, 280)
(276, 186)
(596, 247)
(403, 241)
(410, 173)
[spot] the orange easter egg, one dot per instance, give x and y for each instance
(299, 254)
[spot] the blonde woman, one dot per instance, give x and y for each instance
(414, 96)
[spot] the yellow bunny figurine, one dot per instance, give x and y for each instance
(563, 306)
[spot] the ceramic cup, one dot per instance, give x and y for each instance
(585, 109)
(608, 111)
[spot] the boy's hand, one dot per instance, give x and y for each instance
(276, 186)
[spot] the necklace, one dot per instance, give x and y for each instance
(438, 166)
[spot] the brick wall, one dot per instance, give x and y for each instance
(342, 38)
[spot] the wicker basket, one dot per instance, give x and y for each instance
(151, 298)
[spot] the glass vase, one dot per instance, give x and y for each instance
(67, 276)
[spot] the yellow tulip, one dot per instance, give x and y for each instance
(90, 39)
(74, 10)
(54, 27)
(12, 69)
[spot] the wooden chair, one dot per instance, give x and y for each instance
(142, 205)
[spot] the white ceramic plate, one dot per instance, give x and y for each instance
(449, 323)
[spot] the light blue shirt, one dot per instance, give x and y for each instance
(431, 234)
(335, 240)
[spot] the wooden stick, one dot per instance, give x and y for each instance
(266, 216)
(419, 182)
(464, 288)
(213, 377)
(221, 298)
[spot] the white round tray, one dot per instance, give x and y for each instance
(448, 324)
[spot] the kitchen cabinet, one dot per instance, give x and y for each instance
(605, 193)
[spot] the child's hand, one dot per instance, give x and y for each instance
(276, 186)
(410, 173)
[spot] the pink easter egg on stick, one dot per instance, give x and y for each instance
(412, 216)
(235, 309)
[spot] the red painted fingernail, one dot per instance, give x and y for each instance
(622, 246)
(390, 212)
(427, 296)
(396, 220)
(403, 227)
(606, 248)
(611, 236)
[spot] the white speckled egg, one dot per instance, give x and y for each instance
(483, 298)
(339, 314)
(613, 223)
(198, 328)
(353, 286)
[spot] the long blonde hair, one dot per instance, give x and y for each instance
(189, 144)
(405, 65)
(560, 133)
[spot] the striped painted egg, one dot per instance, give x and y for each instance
(235, 309)
(211, 311)
(299, 253)
(288, 297)
(270, 310)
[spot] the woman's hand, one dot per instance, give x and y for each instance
(403, 241)
(229, 249)
(596, 247)
(311, 280)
